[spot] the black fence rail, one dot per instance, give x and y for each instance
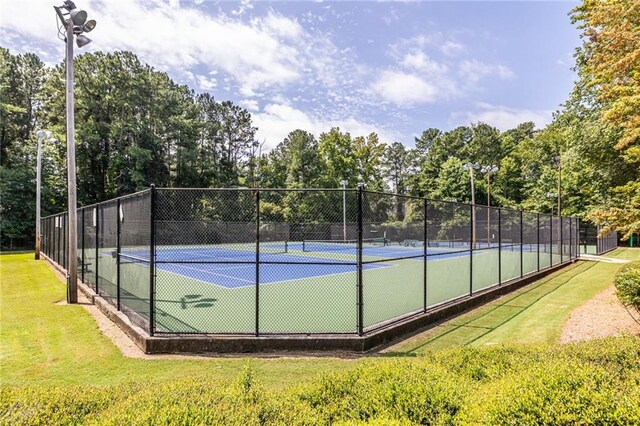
(299, 261)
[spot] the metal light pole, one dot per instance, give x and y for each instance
(41, 134)
(551, 195)
(75, 22)
(471, 167)
(344, 183)
(488, 170)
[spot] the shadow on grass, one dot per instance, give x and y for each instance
(463, 331)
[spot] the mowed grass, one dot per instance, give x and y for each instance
(48, 344)
(534, 314)
(43, 343)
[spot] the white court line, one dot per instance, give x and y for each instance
(273, 282)
(213, 273)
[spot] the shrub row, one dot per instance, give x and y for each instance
(587, 383)
(627, 282)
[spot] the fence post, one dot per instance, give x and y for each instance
(152, 261)
(82, 268)
(424, 271)
(521, 246)
(471, 247)
(118, 244)
(570, 238)
(550, 241)
(65, 243)
(257, 262)
(359, 266)
(561, 244)
(577, 220)
(97, 225)
(499, 246)
(538, 239)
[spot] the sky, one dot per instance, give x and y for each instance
(391, 67)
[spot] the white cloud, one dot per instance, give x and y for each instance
(473, 70)
(206, 83)
(404, 88)
(250, 104)
(421, 62)
(452, 48)
(284, 27)
(502, 117)
(418, 77)
(270, 51)
(244, 6)
(436, 41)
(277, 120)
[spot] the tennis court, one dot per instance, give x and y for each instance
(232, 262)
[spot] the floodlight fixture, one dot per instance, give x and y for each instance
(82, 40)
(89, 26)
(78, 16)
(489, 169)
(471, 166)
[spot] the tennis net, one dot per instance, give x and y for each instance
(337, 245)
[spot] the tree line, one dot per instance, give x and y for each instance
(136, 126)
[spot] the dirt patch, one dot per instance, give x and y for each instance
(602, 316)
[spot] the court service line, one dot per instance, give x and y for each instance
(214, 273)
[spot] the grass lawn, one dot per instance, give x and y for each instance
(534, 314)
(49, 344)
(42, 343)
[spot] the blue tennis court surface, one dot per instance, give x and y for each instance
(278, 261)
(242, 275)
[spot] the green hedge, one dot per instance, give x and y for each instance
(587, 383)
(627, 282)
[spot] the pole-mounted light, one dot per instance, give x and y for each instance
(72, 23)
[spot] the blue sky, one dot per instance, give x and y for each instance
(395, 68)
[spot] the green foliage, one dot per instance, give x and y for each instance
(135, 126)
(627, 284)
(587, 383)
(452, 183)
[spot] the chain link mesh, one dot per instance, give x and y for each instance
(107, 252)
(556, 240)
(530, 247)
(311, 286)
(485, 267)
(89, 248)
(510, 233)
(275, 261)
(393, 276)
(205, 261)
(449, 240)
(134, 214)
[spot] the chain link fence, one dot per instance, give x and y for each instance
(592, 241)
(300, 261)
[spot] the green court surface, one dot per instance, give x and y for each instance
(318, 302)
